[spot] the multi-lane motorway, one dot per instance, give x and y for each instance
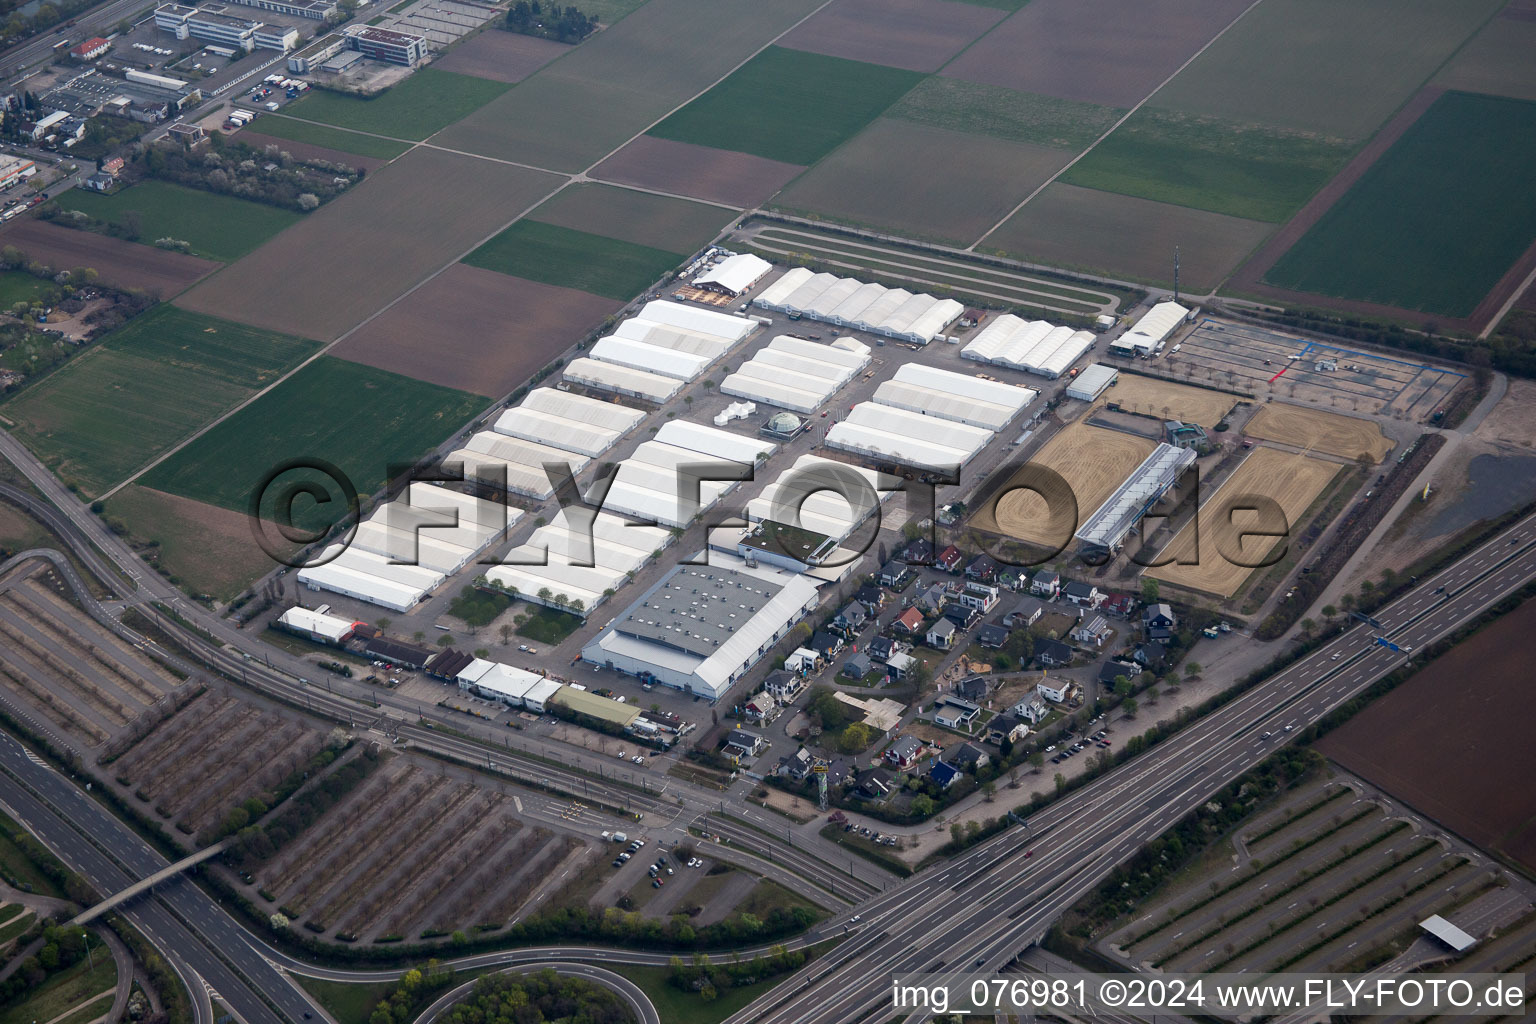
(977, 912)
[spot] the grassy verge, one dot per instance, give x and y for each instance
(871, 852)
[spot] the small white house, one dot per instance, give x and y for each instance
(1054, 691)
(1031, 709)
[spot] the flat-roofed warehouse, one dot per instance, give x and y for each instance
(960, 397)
(837, 504)
(622, 380)
(1106, 529)
(572, 422)
(1095, 379)
(701, 627)
(848, 302)
(796, 374)
(673, 340)
(1151, 330)
(563, 565)
(603, 709)
(317, 625)
(1033, 346)
(887, 434)
(648, 482)
(494, 457)
(734, 274)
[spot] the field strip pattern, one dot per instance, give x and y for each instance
(926, 270)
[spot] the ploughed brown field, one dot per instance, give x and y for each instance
(120, 263)
(476, 330)
(737, 179)
(310, 151)
(500, 56)
(919, 35)
(1454, 740)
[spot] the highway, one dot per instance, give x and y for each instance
(979, 911)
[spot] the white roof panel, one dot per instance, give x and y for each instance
(774, 295)
(735, 273)
(624, 380)
(638, 355)
(966, 385)
(714, 442)
(609, 415)
(692, 318)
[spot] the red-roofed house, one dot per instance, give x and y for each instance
(948, 559)
(90, 49)
(909, 621)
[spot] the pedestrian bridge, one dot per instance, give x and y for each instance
(144, 885)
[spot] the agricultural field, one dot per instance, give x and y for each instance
(423, 104)
(1430, 740)
(217, 227)
(919, 35)
(885, 178)
(788, 105)
(567, 258)
(501, 56)
(1291, 481)
(361, 419)
(1086, 229)
(1167, 401)
(641, 218)
(1314, 429)
(1347, 67)
(213, 754)
(141, 389)
(159, 272)
(1133, 47)
(20, 286)
(403, 223)
(739, 180)
(1325, 881)
(70, 672)
(609, 89)
(347, 145)
(1496, 61)
(1093, 462)
(1424, 231)
(209, 550)
(1000, 113)
(1239, 169)
(412, 850)
(476, 330)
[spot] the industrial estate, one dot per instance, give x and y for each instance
(763, 512)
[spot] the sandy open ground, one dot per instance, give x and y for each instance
(919, 35)
(344, 262)
(738, 179)
(476, 330)
(500, 56)
(1344, 436)
(1092, 460)
(120, 263)
(1168, 401)
(1292, 481)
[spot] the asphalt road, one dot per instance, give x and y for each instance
(976, 913)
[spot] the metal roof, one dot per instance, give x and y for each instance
(1448, 933)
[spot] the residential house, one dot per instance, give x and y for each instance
(785, 686)
(1006, 727)
(1118, 604)
(969, 757)
(983, 569)
(919, 551)
(797, 765)
(100, 182)
(941, 634)
(900, 664)
(1054, 690)
(851, 619)
(881, 648)
(1113, 669)
(994, 637)
(955, 712)
(1046, 584)
(893, 574)
(112, 165)
(1025, 614)
(857, 666)
(962, 616)
(741, 744)
(1031, 709)
(980, 596)
(945, 775)
(871, 597)
(839, 771)
(948, 559)
(1092, 630)
(803, 662)
(761, 708)
(873, 784)
(1084, 595)
(1151, 655)
(1053, 653)
(826, 643)
(972, 688)
(1158, 623)
(932, 600)
(909, 621)
(904, 752)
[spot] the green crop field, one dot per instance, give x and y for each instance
(281, 127)
(1242, 170)
(218, 227)
(1435, 222)
(416, 108)
(991, 110)
(789, 105)
(20, 286)
(143, 388)
(360, 419)
(574, 259)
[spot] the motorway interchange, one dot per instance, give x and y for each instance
(976, 912)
